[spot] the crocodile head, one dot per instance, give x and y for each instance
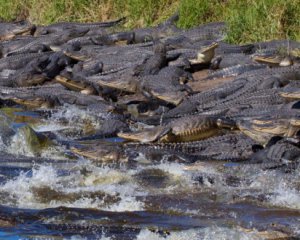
(101, 152)
(290, 93)
(10, 30)
(246, 127)
(33, 102)
(74, 85)
(127, 84)
(274, 61)
(148, 135)
(172, 97)
(205, 54)
(181, 130)
(263, 129)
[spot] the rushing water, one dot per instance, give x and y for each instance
(67, 197)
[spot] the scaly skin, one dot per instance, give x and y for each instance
(11, 30)
(182, 129)
(46, 96)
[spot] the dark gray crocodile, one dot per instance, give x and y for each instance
(275, 111)
(13, 44)
(281, 154)
(19, 61)
(233, 71)
(215, 31)
(229, 60)
(63, 26)
(225, 48)
(47, 96)
(29, 75)
(51, 40)
(11, 30)
(168, 85)
(255, 80)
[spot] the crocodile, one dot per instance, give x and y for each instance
(282, 154)
(104, 152)
(19, 61)
(274, 61)
(264, 97)
(182, 129)
(51, 40)
(289, 110)
(168, 85)
(29, 75)
(160, 31)
(47, 96)
(225, 48)
(255, 80)
(215, 31)
(229, 60)
(233, 147)
(13, 44)
(262, 129)
(63, 26)
(292, 93)
(11, 30)
(76, 79)
(277, 46)
(233, 71)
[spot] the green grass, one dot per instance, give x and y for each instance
(248, 20)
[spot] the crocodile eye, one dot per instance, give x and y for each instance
(296, 105)
(257, 147)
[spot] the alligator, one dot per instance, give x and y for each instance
(182, 129)
(168, 85)
(47, 96)
(215, 31)
(27, 76)
(225, 48)
(274, 61)
(11, 30)
(47, 41)
(233, 71)
(291, 93)
(19, 61)
(36, 71)
(255, 80)
(277, 46)
(264, 97)
(275, 111)
(262, 129)
(229, 60)
(280, 154)
(76, 80)
(63, 26)
(17, 42)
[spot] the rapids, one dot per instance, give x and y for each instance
(61, 196)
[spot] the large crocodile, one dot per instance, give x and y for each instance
(63, 26)
(47, 96)
(10, 30)
(182, 129)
